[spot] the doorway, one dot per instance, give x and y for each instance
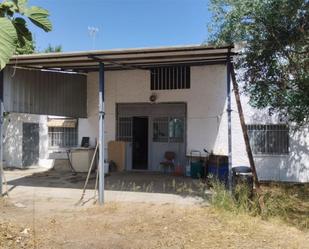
(31, 139)
(140, 143)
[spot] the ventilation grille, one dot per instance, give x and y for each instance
(170, 78)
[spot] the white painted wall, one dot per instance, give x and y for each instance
(293, 167)
(13, 138)
(206, 118)
(205, 103)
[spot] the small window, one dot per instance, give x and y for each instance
(124, 129)
(62, 137)
(169, 78)
(269, 139)
(160, 129)
(168, 129)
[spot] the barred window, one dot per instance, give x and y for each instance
(160, 129)
(269, 139)
(124, 129)
(168, 78)
(168, 129)
(62, 137)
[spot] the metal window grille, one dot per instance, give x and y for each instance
(168, 129)
(160, 129)
(124, 129)
(269, 139)
(168, 78)
(61, 137)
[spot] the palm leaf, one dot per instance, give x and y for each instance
(8, 39)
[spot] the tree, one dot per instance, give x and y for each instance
(51, 49)
(27, 48)
(274, 62)
(14, 32)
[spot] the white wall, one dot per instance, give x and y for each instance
(206, 118)
(13, 138)
(293, 167)
(205, 103)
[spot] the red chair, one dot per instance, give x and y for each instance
(168, 164)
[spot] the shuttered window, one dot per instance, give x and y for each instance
(170, 78)
(269, 139)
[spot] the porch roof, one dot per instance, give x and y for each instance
(119, 59)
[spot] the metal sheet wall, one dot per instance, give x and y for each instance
(45, 92)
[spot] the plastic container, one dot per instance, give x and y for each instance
(219, 171)
(188, 170)
(242, 175)
(196, 163)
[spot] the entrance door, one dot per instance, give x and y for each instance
(140, 143)
(31, 140)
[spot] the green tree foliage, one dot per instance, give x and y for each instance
(274, 63)
(53, 49)
(27, 48)
(14, 32)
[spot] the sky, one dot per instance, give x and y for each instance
(123, 23)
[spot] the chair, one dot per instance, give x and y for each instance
(168, 164)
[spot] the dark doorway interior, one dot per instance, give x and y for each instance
(140, 143)
(31, 139)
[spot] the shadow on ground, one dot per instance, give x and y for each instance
(117, 181)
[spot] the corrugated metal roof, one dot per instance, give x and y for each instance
(139, 58)
(44, 92)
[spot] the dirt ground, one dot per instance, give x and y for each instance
(141, 225)
(142, 211)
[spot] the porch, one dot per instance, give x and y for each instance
(90, 85)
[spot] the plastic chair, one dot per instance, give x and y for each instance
(168, 164)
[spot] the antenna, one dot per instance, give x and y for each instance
(93, 32)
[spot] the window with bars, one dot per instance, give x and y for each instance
(124, 129)
(61, 137)
(269, 139)
(169, 78)
(168, 129)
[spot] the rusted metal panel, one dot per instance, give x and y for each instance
(45, 92)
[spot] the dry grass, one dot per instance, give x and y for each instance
(287, 203)
(137, 225)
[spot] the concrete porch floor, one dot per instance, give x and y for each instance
(53, 189)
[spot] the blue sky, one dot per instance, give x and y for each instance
(123, 23)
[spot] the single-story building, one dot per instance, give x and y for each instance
(156, 100)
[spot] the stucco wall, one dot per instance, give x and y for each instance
(205, 104)
(206, 118)
(13, 138)
(293, 167)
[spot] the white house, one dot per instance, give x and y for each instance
(157, 100)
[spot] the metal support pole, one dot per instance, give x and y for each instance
(229, 117)
(101, 134)
(1, 131)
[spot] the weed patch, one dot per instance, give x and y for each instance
(286, 204)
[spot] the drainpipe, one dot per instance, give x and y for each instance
(101, 133)
(229, 116)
